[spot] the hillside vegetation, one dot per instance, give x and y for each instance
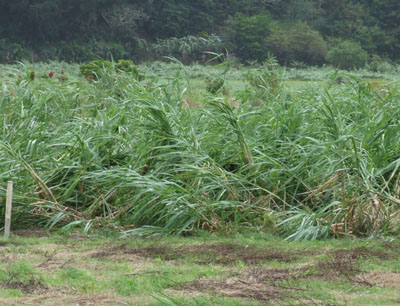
(345, 33)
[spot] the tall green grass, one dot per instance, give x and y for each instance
(130, 155)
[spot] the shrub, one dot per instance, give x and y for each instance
(10, 52)
(266, 79)
(127, 66)
(348, 55)
(78, 51)
(297, 43)
(188, 48)
(96, 69)
(246, 35)
(107, 49)
(214, 85)
(378, 64)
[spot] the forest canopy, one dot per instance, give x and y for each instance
(307, 31)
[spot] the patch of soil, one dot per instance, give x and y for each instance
(121, 253)
(342, 264)
(115, 250)
(277, 275)
(66, 297)
(30, 286)
(227, 254)
(267, 286)
(362, 253)
(218, 253)
(239, 288)
(34, 232)
(4, 243)
(55, 261)
(393, 246)
(78, 236)
(94, 301)
(383, 279)
(337, 266)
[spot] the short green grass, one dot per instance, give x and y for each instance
(204, 269)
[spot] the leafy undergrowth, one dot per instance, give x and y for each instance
(37, 268)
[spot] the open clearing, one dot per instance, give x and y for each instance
(246, 269)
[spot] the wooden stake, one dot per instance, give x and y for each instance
(7, 223)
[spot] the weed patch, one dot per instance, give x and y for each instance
(31, 285)
(21, 276)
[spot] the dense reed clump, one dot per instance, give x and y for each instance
(130, 155)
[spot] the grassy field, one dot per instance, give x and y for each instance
(243, 269)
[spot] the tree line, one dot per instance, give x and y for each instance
(312, 32)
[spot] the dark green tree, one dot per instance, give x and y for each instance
(247, 34)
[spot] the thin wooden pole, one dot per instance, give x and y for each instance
(7, 223)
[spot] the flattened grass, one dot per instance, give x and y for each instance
(139, 157)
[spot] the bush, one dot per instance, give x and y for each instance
(378, 64)
(348, 55)
(107, 49)
(246, 35)
(214, 85)
(96, 69)
(10, 52)
(297, 43)
(78, 51)
(188, 48)
(267, 79)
